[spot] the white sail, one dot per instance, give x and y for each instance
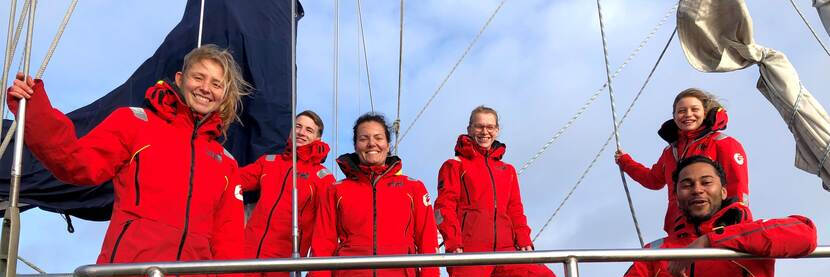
(716, 36)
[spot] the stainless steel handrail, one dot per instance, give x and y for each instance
(332, 263)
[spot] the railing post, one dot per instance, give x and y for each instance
(154, 272)
(571, 267)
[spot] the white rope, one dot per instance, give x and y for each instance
(599, 91)
(365, 55)
(42, 69)
(607, 141)
(614, 121)
(336, 77)
(396, 126)
(201, 24)
(810, 27)
(452, 70)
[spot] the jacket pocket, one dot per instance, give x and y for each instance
(118, 240)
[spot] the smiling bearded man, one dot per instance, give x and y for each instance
(710, 219)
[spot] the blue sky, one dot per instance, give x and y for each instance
(537, 63)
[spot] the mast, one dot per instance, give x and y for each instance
(11, 218)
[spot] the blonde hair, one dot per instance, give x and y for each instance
(483, 109)
(235, 85)
(708, 100)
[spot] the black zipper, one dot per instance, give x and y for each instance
(374, 181)
(118, 240)
(692, 270)
(190, 187)
(495, 202)
(463, 219)
(466, 190)
(137, 187)
(271, 213)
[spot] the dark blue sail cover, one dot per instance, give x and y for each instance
(257, 32)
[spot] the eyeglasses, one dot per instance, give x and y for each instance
(488, 128)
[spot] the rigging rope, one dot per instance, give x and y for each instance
(336, 76)
(614, 120)
(42, 69)
(452, 70)
(810, 27)
(593, 97)
(365, 55)
(396, 126)
(607, 141)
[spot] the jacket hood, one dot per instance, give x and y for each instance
(314, 152)
(467, 147)
(715, 120)
(165, 100)
(731, 212)
(353, 169)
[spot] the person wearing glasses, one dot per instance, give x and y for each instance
(479, 206)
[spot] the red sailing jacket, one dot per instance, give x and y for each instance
(174, 187)
(705, 141)
(479, 205)
(375, 211)
(268, 232)
(732, 228)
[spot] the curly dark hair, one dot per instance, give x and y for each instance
(370, 117)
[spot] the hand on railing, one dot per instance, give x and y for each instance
(678, 268)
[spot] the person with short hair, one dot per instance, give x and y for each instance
(375, 210)
(479, 206)
(173, 181)
(698, 120)
(268, 232)
(712, 220)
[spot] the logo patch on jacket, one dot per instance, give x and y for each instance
(214, 155)
(237, 192)
(502, 167)
(427, 201)
(739, 158)
(395, 184)
(302, 175)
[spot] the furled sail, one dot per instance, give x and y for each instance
(716, 36)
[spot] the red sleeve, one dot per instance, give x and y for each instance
(651, 178)
(449, 185)
(227, 240)
(732, 157)
(91, 160)
(515, 209)
(324, 239)
(426, 233)
(251, 174)
(794, 236)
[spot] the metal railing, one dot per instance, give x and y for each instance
(570, 258)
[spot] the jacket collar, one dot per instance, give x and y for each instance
(731, 212)
(353, 169)
(715, 120)
(466, 147)
(314, 152)
(166, 101)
